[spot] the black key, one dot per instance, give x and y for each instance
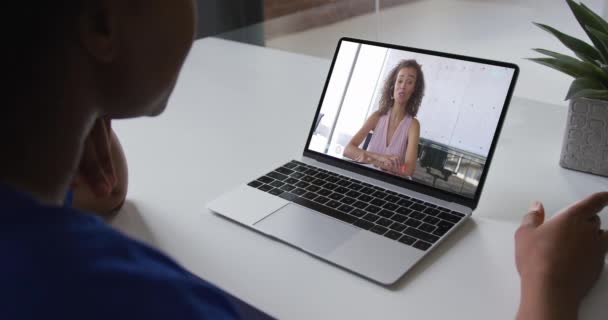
(405, 203)
(431, 220)
(324, 192)
(299, 192)
(391, 192)
(404, 211)
(333, 204)
(358, 213)
(276, 175)
(277, 184)
(392, 235)
(458, 214)
(413, 223)
(355, 186)
(300, 168)
(372, 209)
(365, 198)
(445, 225)
(449, 217)
(384, 222)
(308, 179)
(386, 213)
(422, 245)
(345, 208)
(417, 207)
(265, 188)
(440, 232)
(265, 179)
(287, 187)
(353, 194)
(348, 200)
(397, 226)
(363, 224)
(336, 196)
(321, 176)
(371, 217)
(367, 190)
(378, 229)
(390, 206)
(288, 196)
(341, 190)
(427, 228)
(321, 199)
(325, 210)
(392, 198)
(330, 186)
(379, 194)
(407, 240)
(332, 179)
(431, 205)
(255, 184)
(431, 211)
(360, 204)
(291, 165)
(310, 195)
(291, 180)
(417, 215)
(297, 175)
(284, 171)
(302, 184)
(313, 188)
(318, 182)
(311, 172)
(275, 191)
(378, 202)
(421, 235)
(399, 218)
(343, 183)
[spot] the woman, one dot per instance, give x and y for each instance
(396, 131)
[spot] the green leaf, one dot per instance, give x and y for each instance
(582, 84)
(585, 19)
(601, 37)
(599, 20)
(572, 66)
(591, 94)
(582, 49)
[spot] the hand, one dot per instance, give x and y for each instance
(389, 163)
(560, 260)
(96, 165)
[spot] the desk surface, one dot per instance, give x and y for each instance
(240, 110)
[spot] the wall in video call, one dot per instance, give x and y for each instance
(458, 115)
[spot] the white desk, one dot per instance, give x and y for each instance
(239, 111)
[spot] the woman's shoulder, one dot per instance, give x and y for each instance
(415, 124)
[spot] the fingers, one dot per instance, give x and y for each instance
(535, 216)
(589, 206)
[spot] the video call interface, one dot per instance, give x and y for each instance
(420, 117)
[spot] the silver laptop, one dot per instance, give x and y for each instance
(395, 160)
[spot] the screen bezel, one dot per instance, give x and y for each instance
(400, 182)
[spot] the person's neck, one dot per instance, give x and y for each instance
(46, 156)
(397, 111)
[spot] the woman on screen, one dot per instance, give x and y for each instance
(393, 146)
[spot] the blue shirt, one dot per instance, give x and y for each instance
(60, 263)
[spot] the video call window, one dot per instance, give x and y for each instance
(426, 118)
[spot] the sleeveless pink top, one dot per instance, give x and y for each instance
(397, 146)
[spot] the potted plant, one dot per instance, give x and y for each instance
(585, 145)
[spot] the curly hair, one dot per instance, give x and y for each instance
(413, 104)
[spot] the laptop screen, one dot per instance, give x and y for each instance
(426, 118)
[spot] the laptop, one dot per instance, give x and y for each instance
(395, 160)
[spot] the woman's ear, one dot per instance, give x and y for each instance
(98, 27)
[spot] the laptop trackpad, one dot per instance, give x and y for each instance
(307, 229)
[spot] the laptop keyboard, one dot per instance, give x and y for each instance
(398, 217)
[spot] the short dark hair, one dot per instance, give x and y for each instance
(413, 104)
(35, 36)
